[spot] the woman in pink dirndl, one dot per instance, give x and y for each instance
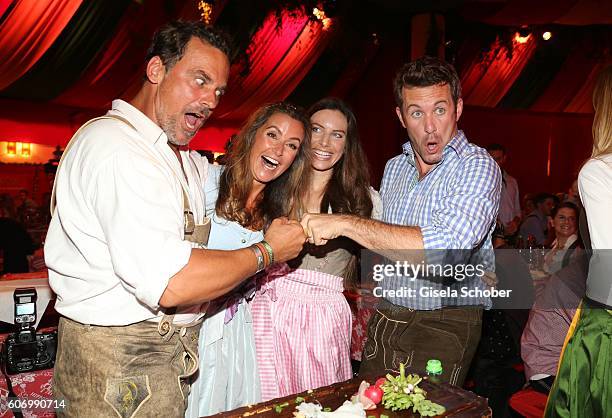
(301, 319)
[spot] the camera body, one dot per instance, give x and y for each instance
(29, 352)
(26, 350)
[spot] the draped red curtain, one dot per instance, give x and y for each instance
(108, 76)
(213, 137)
(583, 100)
(568, 82)
(119, 69)
(280, 57)
(4, 5)
(28, 31)
(52, 125)
(486, 81)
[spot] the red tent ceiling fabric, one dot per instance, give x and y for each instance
(280, 57)
(540, 12)
(588, 12)
(28, 31)
(485, 82)
(4, 5)
(583, 100)
(121, 63)
(567, 83)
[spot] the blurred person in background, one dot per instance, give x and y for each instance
(15, 242)
(509, 205)
(536, 223)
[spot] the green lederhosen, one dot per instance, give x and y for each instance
(583, 387)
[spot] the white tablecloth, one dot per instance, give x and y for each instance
(7, 304)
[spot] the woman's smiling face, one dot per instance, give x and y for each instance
(329, 128)
(275, 146)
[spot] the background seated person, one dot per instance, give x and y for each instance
(549, 321)
(565, 225)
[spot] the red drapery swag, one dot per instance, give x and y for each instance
(28, 31)
(485, 82)
(117, 72)
(280, 57)
(4, 4)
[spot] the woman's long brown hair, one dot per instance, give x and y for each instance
(348, 190)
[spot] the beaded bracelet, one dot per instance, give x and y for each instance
(268, 248)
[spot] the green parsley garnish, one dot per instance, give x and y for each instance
(279, 408)
(402, 392)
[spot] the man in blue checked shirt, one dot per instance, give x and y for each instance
(441, 195)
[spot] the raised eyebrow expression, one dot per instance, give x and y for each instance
(436, 104)
(201, 74)
(278, 132)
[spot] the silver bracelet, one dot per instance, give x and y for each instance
(260, 257)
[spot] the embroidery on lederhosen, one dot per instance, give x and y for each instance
(127, 394)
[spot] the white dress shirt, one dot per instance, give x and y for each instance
(595, 185)
(116, 237)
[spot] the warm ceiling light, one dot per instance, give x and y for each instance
(206, 10)
(26, 149)
(521, 39)
(546, 35)
(524, 31)
(11, 148)
(320, 15)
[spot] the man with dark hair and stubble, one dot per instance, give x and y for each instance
(440, 195)
(126, 245)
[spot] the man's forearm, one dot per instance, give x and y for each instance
(375, 235)
(208, 275)
(212, 273)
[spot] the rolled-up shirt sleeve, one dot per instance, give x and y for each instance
(467, 212)
(141, 216)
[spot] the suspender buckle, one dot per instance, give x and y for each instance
(189, 221)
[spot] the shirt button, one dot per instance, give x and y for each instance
(243, 241)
